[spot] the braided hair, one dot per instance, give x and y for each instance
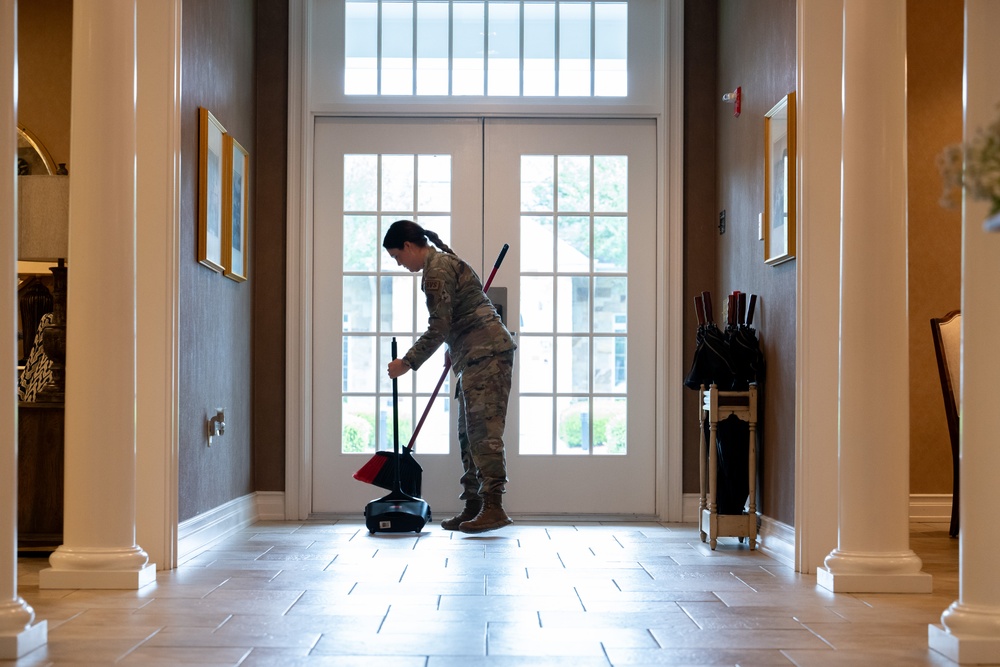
(402, 231)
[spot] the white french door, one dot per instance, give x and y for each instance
(575, 200)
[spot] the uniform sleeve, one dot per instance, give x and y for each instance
(439, 287)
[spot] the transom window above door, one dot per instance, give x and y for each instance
(493, 48)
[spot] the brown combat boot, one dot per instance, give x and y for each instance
(490, 517)
(472, 507)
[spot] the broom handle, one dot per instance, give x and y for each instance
(395, 416)
(447, 363)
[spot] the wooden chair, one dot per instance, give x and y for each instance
(947, 332)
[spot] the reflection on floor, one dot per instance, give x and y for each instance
(328, 593)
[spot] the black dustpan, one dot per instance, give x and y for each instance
(397, 512)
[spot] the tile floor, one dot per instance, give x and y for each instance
(328, 593)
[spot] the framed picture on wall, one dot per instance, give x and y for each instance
(779, 181)
(236, 185)
(210, 193)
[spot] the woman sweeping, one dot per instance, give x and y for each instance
(482, 355)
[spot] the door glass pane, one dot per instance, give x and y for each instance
(574, 183)
(536, 355)
(539, 48)
(397, 303)
(360, 182)
(359, 363)
(361, 242)
(573, 297)
(359, 303)
(610, 426)
(536, 304)
(468, 48)
(537, 242)
(610, 183)
(573, 251)
(432, 48)
(574, 426)
(361, 48)
(610, 49)
(573, 362)
(397, 182)
(574, 48)
(360, 429)
(611, 244)
(535, 432)
(381, 299)
(609, 365)
(537, 183)
(610, 304)
(434, 182)
(586, 286)
(504, 63)
(397, 47)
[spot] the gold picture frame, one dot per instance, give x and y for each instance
(779, 182)
(236, 206)
(210, 192)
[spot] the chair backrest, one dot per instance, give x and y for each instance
(947, 333)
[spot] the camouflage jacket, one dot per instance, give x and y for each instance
(459, 314)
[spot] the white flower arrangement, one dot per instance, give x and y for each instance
(974, 166)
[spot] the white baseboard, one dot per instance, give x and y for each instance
(930, 508)
(271, 505)
(777, 540)
(197, 534)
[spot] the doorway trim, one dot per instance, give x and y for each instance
(669, 270)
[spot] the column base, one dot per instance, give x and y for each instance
(14, 646)
(917, 582)
(964, 650)
(97, 579)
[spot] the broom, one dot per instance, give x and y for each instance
(380, 469)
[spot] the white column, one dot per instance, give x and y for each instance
(819, 40)
(873, 553)
(99, 549)
(19, 634)
(970, 631)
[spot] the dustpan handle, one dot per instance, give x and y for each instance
(395, 409)
(447, 362)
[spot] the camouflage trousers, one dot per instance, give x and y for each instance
(482, 392)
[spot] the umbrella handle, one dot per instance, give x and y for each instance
(706, 298)
(699, 309)
(753, 303)
(742, 309)
(731, 315)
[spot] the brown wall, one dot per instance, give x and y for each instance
(44, 61)
(269, 250)
(755, 50)
(216, 314)
(700, 214)
(934, 38)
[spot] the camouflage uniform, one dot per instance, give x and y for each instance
(482, 356)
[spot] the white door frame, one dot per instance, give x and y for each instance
(669, 271)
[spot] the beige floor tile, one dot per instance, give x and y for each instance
(539, 594)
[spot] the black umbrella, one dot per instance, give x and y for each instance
(746, 357)
(711, 356)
